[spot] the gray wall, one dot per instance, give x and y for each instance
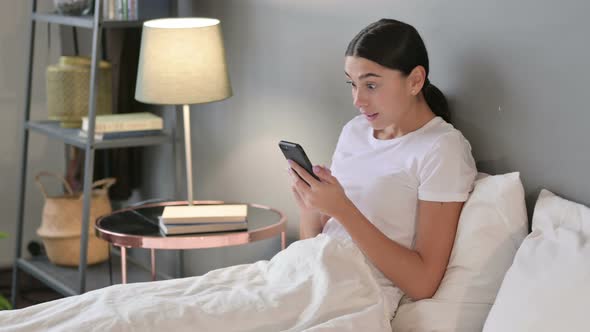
(43, 154)
(515, 72)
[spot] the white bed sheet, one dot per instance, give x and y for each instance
(319, 284)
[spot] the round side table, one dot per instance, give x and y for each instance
(137, 227)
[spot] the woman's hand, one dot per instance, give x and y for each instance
(304, 209)
(326, 196)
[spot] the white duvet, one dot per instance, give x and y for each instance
(319, 284)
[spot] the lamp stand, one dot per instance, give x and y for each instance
(187, 152)
(191, 210)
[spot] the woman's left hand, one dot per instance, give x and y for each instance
(326, 195)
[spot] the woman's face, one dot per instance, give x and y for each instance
(381, 94)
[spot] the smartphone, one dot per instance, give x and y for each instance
(296, 153)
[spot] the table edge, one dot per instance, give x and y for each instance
(195, 241)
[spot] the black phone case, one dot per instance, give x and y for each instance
(296, 153)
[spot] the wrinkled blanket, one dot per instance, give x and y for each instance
(319, 284)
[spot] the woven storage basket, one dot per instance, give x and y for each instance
(61, 223)
(68, 85)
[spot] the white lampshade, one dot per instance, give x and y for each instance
(182, 61)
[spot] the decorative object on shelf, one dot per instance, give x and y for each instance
(182, 62)
(125, 122)
(124, 125)
(73, 7)
(61, 225)
(68, 90)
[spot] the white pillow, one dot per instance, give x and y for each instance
(492, 225)
(547, 288)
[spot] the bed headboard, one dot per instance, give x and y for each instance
(517, 76)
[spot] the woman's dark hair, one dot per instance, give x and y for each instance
(397, 45)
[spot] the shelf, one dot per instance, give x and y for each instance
(75, 21)
(85, 21)
(123, 23)
(72, 136)
(65, 280)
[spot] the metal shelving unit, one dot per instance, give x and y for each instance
(71, 281)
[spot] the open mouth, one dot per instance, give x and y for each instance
(371, 117)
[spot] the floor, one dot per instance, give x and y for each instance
(31, 290)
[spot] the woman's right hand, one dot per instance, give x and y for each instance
(303, 208)
(310, 223)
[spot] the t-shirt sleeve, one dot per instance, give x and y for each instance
(448, 171)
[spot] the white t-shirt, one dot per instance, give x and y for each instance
(386, 178)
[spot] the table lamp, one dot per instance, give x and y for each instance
(182, 62)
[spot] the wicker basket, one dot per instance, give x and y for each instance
(61, 227)
(68, 85)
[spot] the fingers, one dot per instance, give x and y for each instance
(324, 174)
(299, 188)
(298, 197)
(303, 173)
(297, 183)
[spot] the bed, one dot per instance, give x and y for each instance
(320, 284)
(500, 278)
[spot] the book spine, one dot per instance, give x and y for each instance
(109, 9)
(206, 220)
(132, 9)
(125, 10)
(121, 134)
(202, 229)
(119, 10)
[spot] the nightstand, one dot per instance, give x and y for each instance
(137, 227)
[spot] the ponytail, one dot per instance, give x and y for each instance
(436, 100)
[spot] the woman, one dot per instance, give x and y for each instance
(398, 178)
(400, 172)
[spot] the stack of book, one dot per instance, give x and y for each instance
(203, 219)
(124, 125)
(120, 9)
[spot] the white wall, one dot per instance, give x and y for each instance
(44, 154)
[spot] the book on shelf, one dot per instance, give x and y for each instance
(202, 213)
(121, 134)
(107, 123)
(202, 227)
